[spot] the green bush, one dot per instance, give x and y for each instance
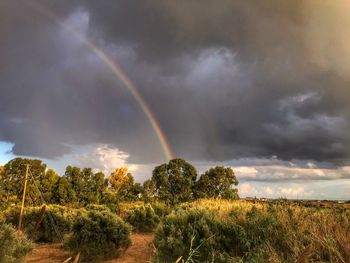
(206, 232)
(143, 218)
(161, 209)
(101, 208)
(56, 223)
(13, 246)
(200, 235)
(98, 236)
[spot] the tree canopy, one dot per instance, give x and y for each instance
(171, 182)
(174, 181)
(217, 182)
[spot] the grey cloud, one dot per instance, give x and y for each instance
(225, 79)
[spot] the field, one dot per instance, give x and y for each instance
(212, 230)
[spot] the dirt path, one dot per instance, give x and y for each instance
(140, 251)
(52, 253)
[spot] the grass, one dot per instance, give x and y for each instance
(268, 232)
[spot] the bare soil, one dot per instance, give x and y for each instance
(48, 253)
(140, 251)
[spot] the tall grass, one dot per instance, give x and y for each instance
(247, 232)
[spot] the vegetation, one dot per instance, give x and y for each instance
(217, 182)
(221, 231)
(174, 181)
(194, 219)
(57, 221)
(98, 235)
(13, 246)
(142, 218)
(76, 188)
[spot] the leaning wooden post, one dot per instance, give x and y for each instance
(23, 198)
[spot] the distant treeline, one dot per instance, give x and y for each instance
(172, 182)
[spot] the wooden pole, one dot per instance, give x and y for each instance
(23, 197)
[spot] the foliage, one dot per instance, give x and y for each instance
(161, 209)
(81, 187)
(130, 191)
(198, 229)
(174, 181)
(101, 208)
(118, 178)
(143, 218)
(236, 231)
(217, 182)
(57, 221)
(64, 193)
(149, 190)
(13, 246)
(12, 180)
(98, 236)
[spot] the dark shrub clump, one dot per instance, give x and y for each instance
(98, 235)
(143, 218)
(13, 246)
(56, 223)
(200, 235)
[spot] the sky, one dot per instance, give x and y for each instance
(260, 86)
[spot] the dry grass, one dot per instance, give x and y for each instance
(309, 234)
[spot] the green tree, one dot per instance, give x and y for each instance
(75, 177)
(98, 185)
(12, 180)
(2, 191)
(64, 193)
(217, 182)
(47, 185)
(93, 185)
(130, 190)
(149, 190)
(174, 181)
(87, 196)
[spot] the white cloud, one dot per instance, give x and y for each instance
(247, 189)
(104, 158)
(245, 171)
(268, 190)
(291, 191)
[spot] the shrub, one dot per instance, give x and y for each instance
(219, 231)
(161, 209)
(13, 246)
(98, 236)
(57, 221)
(199, 234)
(143, 218)
(101, 208)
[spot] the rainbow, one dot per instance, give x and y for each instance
(117, 71)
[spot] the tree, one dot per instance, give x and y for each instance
(174, 181)
(130, 190)
(47, 184)
(149, 190)
(12, 180)
(74, 176)
(119, 178)
(217, 182)
(2, 191)
(87, 194)
(98, 185)
(64, 193)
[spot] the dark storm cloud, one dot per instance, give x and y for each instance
(226, 79)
